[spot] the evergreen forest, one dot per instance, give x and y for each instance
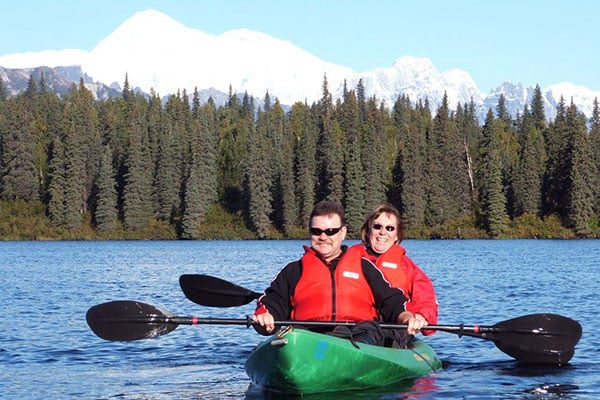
(141, 167)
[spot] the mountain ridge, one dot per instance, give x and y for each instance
(254, 62)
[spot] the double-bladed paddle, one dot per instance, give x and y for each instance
(535, 338)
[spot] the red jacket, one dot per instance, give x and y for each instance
(403, 273)
(349, 287)
(340, 295)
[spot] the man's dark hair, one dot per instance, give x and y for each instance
(326, 207)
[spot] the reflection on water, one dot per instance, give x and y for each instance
(413, 390)
(553, 391)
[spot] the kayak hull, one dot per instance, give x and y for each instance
(301, 361)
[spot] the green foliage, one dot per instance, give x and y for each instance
(330, 151)
(192, 202)
(581, 175)
(259, 178)
(354, 172)
(19, 178)
(106, 194)
(531, 226)
(595, 150)
(56, 189)
(202, 172)
(303, 128)
(492, 196)
(21, 220)
(3, 90)
(223, 225)
(409, 192)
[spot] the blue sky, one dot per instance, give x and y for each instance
(527, 41)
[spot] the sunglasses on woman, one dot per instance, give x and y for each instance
(329, 231)
(389, 228)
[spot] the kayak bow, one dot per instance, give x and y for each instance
(301, 361)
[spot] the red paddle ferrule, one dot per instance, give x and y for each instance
(476, 329)
(194, 320)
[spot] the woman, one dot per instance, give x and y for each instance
(381, 234)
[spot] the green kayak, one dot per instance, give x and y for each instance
(301, 361)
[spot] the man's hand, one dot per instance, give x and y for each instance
(265, 320)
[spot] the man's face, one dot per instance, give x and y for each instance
(328, 247)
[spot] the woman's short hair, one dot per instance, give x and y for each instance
(384, 208)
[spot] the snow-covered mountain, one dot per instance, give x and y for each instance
(419, 79)
(155, 51)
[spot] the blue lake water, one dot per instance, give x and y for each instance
(47, 350)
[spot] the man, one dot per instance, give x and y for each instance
(329, 282)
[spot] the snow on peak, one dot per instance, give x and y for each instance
(581, 96)
(413, 63)
(419, 79)
(157, 52)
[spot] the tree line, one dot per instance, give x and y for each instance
(124, 162)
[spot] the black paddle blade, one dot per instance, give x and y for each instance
(127, 320)
(214, 292)
(538, 338)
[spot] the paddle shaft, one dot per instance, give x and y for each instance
(475, 331)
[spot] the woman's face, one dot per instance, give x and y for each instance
(383, 232)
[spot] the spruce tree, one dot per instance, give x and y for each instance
(258, 180)
(235, 125)
(19, 179)
(509, 153)
(285, 209)
(595, 150)
(167, 175)
(537, 109)
(304, 130)
(137, 205)
(530, 167)
(330, 157)
(192, 200)
(106, 194)
(449, 169)
(580, 175)
(206, 117)
(56, 187)
(31, 90)
(87, 126)
(156, 132)
(409, 193)
(354, 196)
(374, 155)
(554, 189)
(3, 91)
(75, 174)
(493, 200)
(468, 126)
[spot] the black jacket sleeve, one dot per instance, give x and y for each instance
(276, 297)
(389, 301)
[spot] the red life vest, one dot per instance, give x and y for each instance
(343, 295)
(403, 273)
(391, 263)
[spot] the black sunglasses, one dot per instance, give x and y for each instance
(328, 231)
(389, 228)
